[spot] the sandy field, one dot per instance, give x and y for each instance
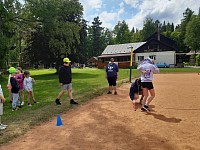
(109, 122)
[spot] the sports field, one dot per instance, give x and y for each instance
(110, 123)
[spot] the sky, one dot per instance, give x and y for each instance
(134, 12)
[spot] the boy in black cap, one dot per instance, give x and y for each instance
(65, 79)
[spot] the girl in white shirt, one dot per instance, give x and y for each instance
(28, 86)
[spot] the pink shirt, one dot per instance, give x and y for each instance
(20, 79)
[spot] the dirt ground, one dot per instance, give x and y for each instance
(110, 123)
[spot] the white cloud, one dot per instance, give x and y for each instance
(106, 17)
(168, 10)
(132, 3)
(91, 4)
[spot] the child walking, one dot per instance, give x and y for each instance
(20, 79)
(14, 89)
(65, 79)
(2, 100)
(28, 86)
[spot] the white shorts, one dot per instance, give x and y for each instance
(1, 109)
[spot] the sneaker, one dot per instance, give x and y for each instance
(2, 128)
(29, 104)
(115, 93)
(57, 101)
(36, 102)
(22, 103)
(146, 108)
(143, 110)
(109, 92)
(73, 102)
(3, 125)
(13, 109)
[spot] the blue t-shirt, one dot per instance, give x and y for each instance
(111, 70)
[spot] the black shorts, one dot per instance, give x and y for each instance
(148, 85)
(112, 81)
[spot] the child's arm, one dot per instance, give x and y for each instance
(2, 98)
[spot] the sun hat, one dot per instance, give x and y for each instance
(66, 60)
(12, 70)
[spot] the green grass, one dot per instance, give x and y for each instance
(87, 83)
(179, 70)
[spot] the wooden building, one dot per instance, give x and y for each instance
(158, 47)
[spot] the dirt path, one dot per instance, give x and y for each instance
(110, 123)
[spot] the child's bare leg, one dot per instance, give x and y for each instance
(70, 94)
(152, 93)
(28, 96)
(32, 94)
(145, 94)
(21, 95)
(60, 94)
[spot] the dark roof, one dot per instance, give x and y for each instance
(121, 48)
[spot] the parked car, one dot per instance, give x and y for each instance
(162, 65)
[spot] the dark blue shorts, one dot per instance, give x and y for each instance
(112, 81)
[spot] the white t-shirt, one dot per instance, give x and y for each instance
(28, 84)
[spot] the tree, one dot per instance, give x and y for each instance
(187, 17)
(9, 14)
(60, 25)
(122, 32)
(149, 28)
(98, 43)
(192, 36)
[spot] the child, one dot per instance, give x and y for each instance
(28, 86)
(2, 100)
(135, 91)
(111, 75)
(147, 68)
(65, 79)
(14, 89)
(20, 79)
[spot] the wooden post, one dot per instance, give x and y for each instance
(131, 64)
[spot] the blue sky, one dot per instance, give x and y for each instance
(134, 12)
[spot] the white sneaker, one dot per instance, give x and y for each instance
(22, 103)
(2, 128)
(3, 125)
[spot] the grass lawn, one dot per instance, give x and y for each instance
(87, 83)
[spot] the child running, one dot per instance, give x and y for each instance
(28, 86)
(147, 68)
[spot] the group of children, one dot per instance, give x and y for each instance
(17, 83)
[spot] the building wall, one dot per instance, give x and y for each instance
(126, 64)
(167, 57)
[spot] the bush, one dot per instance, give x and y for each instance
(198, 60)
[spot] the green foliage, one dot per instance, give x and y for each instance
(198, 59)
(192, 36)
(122, 32)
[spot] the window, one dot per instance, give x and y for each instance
(153, 57)
(140, 58)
